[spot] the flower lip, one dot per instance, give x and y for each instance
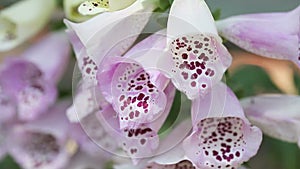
(223, 135)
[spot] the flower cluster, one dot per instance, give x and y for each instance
(127, 80)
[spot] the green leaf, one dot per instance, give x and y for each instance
(250, 81)
(217, 14)
(9, 163)
(162, 5)
(175, 109)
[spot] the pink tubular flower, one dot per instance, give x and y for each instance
(40, 144)
(277, 115)
(274, 35)
(197, 58)
(222, 136)
(138, 99)
(28, 82)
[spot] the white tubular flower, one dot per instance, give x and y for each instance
(81, 10)
(23, 20)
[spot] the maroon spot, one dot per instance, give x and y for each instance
(184, 56)
(137, 113)
(88, 70)
(140, 96)
(199, 71)
(143, 141)
(131, 115)
(121, 97)
(193, 84)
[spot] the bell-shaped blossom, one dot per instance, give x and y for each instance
(80, 10)
(276, 115)
(135, 91)
(28, 82)
(137, 95)
(197, 59)
(101, 36)
(22, 20)
(102, 125)
(40, 144)
(222, 136)
(136, 106)
(274, 35)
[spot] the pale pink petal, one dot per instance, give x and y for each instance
(141, 139)
(84, 161)
(51, 55)
(197, 59)
(196, 63)
(222, 137)
(277, 115)
(132, 92)
(274, 35)
(93, 137)
(87, 100)
(170, 148)
(27, 86)
(40, 144)
(86, 64)
(149, 51)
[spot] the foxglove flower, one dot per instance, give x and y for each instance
(108, 39)
(222, 136)
(81, 10)
(22, 20)
(274, 35)
(197, 59)
(132, 115)
(277, 115)
(29, 82)
(40, 144)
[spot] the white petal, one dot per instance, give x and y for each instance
(189, 17)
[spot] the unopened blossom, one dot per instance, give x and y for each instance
(274, 35)
(197, 59)
(22, 20)
(28, 82)
(276, 115)
(42, 143)
(222, 136)
(80, 10)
